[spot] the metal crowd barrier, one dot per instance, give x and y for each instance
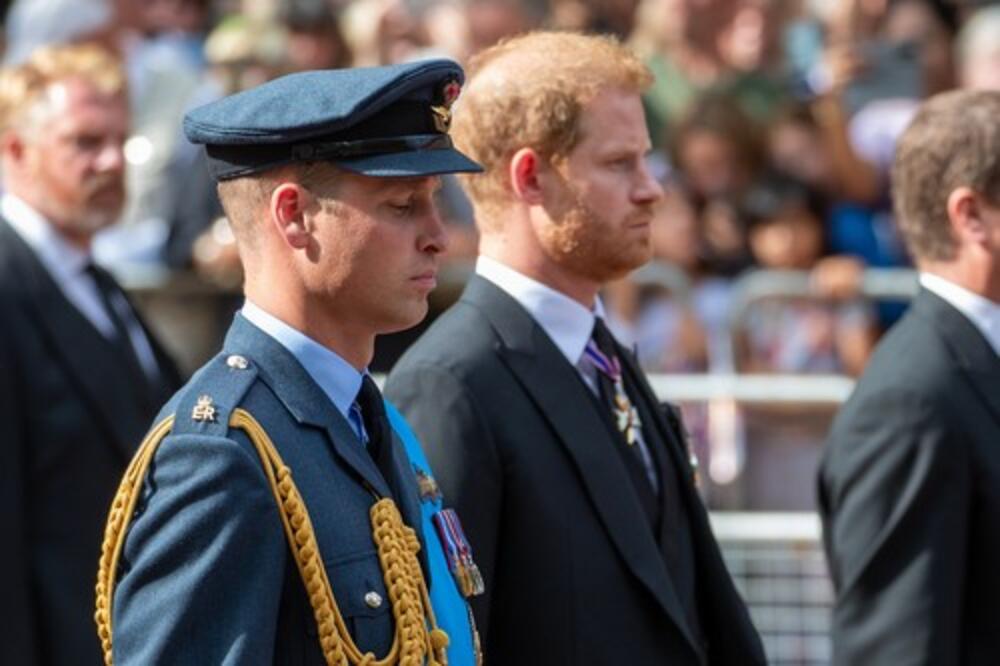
(891, 284)
(775, 558)
(750, 288)
(778, 566)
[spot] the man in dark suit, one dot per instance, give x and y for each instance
(575, 486)
(80, 375)
(908, 483)
(277, 517)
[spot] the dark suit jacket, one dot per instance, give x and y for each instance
(573, 571)
(207, 577)
(910, 497)
(70, 418)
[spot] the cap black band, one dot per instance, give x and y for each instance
(226, 162)
(344, 149)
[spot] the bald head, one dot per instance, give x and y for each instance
(529, 92)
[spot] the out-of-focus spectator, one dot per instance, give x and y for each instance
(31, 24)
(896, 54)
(978, 51)
(716, 152)
(80, 374)
(833, 335)
(695, 46)
(381, 32)
(810, 141)
(166, 64)
(447, 27)
(613, 17)
(716, 147)
(314, 39)
(492, 20)
(243, 52)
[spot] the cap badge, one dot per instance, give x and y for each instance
(441, 112)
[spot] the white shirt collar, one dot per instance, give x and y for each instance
(337, 378)
(62, 259)
(982, 312)
(568, 323)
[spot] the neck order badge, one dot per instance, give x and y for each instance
(600, 351)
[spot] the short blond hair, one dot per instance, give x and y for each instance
(529, 91)
(24, 87)
(245, 199)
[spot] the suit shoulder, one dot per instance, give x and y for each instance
(912, 359)
(461, 340)
(906, 395)
(205, 404)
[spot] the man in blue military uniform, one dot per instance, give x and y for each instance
(272, 514)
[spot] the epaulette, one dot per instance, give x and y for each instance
(209, 399)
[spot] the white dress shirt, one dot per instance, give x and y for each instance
(982, 312)
(66, 263)
(568, 323)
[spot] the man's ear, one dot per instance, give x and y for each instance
(523, 173)
(12, 146)
(289, 202)
(965, 215)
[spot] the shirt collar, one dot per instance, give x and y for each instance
(982, 312)
(337, 378)
(568, 323)
(60, 257)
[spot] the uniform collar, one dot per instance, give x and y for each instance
(337, 378)
(61, 259)
(982, 312)
(568, 323)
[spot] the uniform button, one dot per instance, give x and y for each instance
(237, 362)
(373, 599)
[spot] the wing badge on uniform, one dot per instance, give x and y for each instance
(427, 486)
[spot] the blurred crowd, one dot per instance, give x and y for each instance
(773, 124)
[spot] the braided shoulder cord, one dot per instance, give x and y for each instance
(417, 639)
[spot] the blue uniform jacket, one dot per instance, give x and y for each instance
(206, 576)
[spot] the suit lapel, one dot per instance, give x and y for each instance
(556, 388)
(303, 398)
(975, 356)
(80, 349)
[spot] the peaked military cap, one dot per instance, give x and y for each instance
(377, 121)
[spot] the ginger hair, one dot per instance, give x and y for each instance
(529, 92)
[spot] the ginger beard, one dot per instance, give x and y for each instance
(589, 245)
